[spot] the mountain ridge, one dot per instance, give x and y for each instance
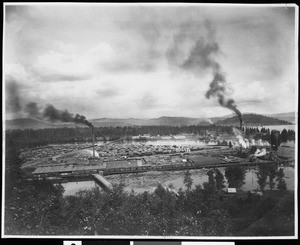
(253, 119)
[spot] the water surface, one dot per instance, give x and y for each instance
(242, 178)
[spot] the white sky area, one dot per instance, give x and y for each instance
(123, 61)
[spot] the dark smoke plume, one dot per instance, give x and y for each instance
(218, 89)
(201, 58)
(32, 110)
(12, 96)
(13, 104)
(52, 114)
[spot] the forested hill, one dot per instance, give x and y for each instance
(29, 123)
(252, 120)
(249, 119)
(287, 116)
(26, 123)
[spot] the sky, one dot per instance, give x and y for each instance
(148, 61)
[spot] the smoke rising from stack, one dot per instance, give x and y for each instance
(238, 134)
(32, 110)
(53, 114)
(200, 58)
(12, 97)
(218, 89)
(13, 104)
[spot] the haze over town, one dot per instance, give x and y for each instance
(148, 61)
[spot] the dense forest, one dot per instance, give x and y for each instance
(39, 207)
(31, 137)
(252, 120)
(39, 137)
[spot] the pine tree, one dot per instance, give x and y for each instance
(188, 181)
(284, 135)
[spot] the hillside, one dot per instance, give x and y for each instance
(248, 119)
(26, 123)
(252, 120)
(216, 119)
(288, 116)
(110, 122)
(177, 121)
(162, 121)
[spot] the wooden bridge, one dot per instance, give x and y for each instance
(100, 180)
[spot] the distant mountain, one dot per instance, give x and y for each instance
(177, 121)
(248, 119)
(216, 119)
(288, 116)
(110, 122)
(166, 121)
(26, 123)
(252, 120)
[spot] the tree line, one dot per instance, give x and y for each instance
(40, 137)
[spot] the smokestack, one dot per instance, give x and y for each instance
(93, 142)
(275, 139)
(241, 124)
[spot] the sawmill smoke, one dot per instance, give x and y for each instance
(53, 114)
(200, 58)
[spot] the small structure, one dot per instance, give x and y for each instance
(89, 153)
(286, 150)
(255, 192)
(231, 190)
(171, 190)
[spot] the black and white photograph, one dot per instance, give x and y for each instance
(150, 121)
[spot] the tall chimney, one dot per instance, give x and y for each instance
(241, 128)
(93, 143)
(241, 125)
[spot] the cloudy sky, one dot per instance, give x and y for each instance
(148, 61)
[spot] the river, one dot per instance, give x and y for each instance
(245, 179)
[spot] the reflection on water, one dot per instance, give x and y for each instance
(263, 177)
(72, 187)
(235, 176)
(245, 179)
